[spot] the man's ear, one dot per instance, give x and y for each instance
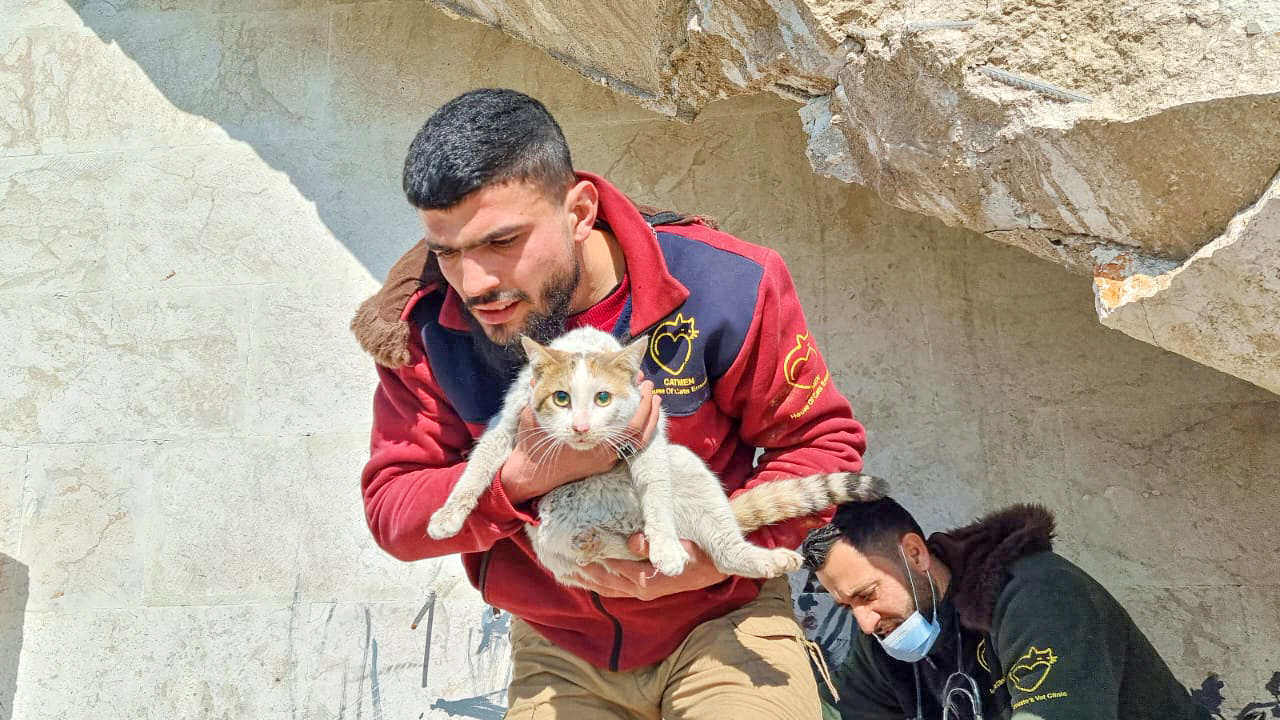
(916, 552)
(582, 203)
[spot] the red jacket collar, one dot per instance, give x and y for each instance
(654, 292)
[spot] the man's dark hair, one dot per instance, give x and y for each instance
(485, 137)
(873, 527)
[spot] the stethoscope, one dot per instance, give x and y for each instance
(959, 691)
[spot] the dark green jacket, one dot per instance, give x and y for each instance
(1039, 638)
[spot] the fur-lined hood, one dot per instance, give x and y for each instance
(379, 324)
(979, 556)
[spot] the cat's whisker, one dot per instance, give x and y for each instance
(619, 433)
(550, 456)
(617, 446)
(545, 439)
(619, 437)
(546, 451)
(542, 444)
(524, 434)
(540, 451)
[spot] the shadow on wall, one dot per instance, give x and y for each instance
(329, 94)
(13, 604)
(262, 77)
(1209, 694)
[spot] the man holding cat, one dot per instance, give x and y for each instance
(985, 622)
(517, 243)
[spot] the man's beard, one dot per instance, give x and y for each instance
(542, 326)
(925, 597)
(923, 602)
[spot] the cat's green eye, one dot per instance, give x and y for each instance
(603, 398)
(560, 398)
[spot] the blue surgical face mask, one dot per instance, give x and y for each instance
(911, 641)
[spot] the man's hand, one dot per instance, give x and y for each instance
(639, 579)
(536, 465)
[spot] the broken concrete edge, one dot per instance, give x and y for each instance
(971, 191)
(1125, 278)
(1126, 293)
(683, 88)
(646, 98)
(1087, 255)
(1027, 175)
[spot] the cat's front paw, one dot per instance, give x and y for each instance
(783, 561)
(668, 557)
(446, 523)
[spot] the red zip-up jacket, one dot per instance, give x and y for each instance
(737, 368)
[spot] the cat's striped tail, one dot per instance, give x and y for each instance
(787, 498)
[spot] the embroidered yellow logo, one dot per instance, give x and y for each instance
(1030, 671)
(797, 362)
(982, 654)
(671, 345)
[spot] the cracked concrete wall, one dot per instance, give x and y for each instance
(195, 196)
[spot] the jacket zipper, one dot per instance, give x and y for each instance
(617, 632)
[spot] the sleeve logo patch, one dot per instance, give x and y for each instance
(793, 368)
(1030, 671)
(982, 655)
(803, 369)
(672, 343)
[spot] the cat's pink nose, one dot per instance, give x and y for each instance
(581, 428)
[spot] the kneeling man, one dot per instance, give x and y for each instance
(982, 622)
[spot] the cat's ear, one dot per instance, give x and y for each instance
(540, 355)
(531, 347)
(537, 353)
(631, 356)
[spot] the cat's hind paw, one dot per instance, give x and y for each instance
(445, 523)
(668, 557)
(587, 545)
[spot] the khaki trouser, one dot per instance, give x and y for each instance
(751, 663)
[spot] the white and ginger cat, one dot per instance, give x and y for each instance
(585, 378)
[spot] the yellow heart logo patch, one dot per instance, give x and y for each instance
(671, 345)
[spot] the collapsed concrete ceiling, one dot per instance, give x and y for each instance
(1137, 141)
